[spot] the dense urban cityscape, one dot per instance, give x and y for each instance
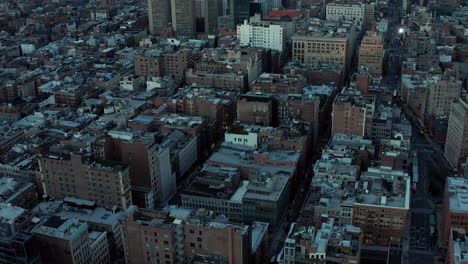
(234, 131)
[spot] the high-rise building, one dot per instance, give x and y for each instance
(183, 17)
(211, 8)
(371, 53)
(353, 114)
(456, 144)
(242, 10)
(441, 93)
(149, 163)
(78, 175)
(159, 15)
(262, 35)
(237, 12)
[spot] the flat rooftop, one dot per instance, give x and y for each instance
(59, 227)
(270, 189)
(458, 194)
(10, 213)
(11, 188)
(238, 157)
(460, 246)
(384, 188)
(83, 212)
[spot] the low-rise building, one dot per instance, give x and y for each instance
(78, 175)
(457, 251)
(324, 42)
(17, 193)
(17, 244)
(382, 205)
(361, 14)
(329, 243)
(266, 198)
(221, 80)
(255, 109)
(218, 189)
(99, 219)
(455, 205)
(178, 235)
(279, 84)
(184, 151)
(63, 241)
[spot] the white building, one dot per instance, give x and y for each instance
(27, 48)
(131, 83)
(358, 13)
(261, 35)
(247, 139)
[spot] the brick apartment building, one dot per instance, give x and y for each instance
(371, 53)
(279, 83)
(178, 235)
(78, 175)
(353, 114)
(163, 62)
(255, 109)
(455, 205)
(149, 164)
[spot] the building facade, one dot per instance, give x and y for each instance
(255, 109)
(106, 183)
(353, 114)
(371, 53)
(183, 17)
(262, 35)
(319, 42)
(159, 15)
(362, 14)
(456, 144)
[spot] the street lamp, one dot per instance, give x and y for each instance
(401, 30)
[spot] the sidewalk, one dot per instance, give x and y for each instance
(406, 241)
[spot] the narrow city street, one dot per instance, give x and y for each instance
(418, 245)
